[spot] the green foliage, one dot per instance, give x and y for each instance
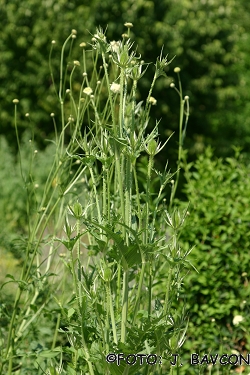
(26, 33)
(209, 39)
(12, 208)
(218, 226)
(17, 188)
(106, 279)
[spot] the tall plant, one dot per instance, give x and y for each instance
(123, 260)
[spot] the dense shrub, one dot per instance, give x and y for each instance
(219, 226)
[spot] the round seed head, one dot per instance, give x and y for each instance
(128, 25)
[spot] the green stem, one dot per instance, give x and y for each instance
(147, 108)
(133, 113)
(124, 306)
(182, 103)
(61, 68)
(78, 223)
(109, 93)
(85, 347)
(118, 289)
(11, 334)
(96, 195)
(150, 290)
(107, 329)
(167, 291)
(61, 88)
(137, 198)
(128, 194)
(122, 103)
(119, 180)
(74, 110)
(112, 315)
(138, 295)
(104, 191)
(150, 166)
(75, 286)
(56, 331)
(51, 70)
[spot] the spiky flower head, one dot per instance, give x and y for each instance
(99, 41)
(122, 56)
